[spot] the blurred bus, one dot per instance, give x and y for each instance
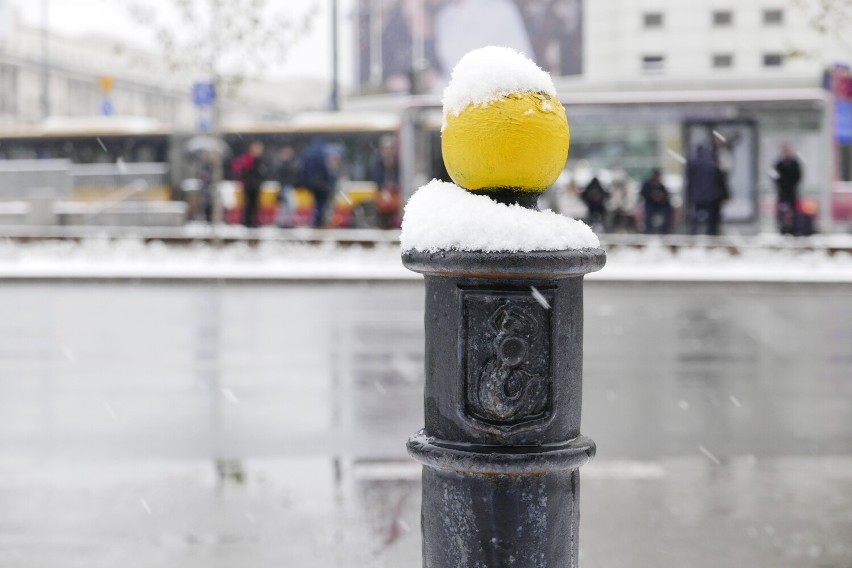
(111, 159)
(105, 155)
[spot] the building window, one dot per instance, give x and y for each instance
(653, 63)
(773, 60)
(773, 17)
(723, 61)
(652, 20)
(723, 18)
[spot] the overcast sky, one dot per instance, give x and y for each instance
(312, 58)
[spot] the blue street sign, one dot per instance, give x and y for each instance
(107, 108)
(203, 94)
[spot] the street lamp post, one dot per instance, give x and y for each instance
(335, 74)
(45, 60)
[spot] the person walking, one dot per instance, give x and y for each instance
(287, 175)
(204, 175)
(622, 203)
(595, 197)
(251, 170)
(385, 175)
(788, 174)
(658, 207)
(704, 192)
(319, 177)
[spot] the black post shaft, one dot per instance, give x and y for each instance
(501, 445)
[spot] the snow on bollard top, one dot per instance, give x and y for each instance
(488, 74)
(503, 127)
(505, 134)
(442, 216)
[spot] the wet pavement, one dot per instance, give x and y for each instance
(214, 424)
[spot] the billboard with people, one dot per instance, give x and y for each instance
(410, 46)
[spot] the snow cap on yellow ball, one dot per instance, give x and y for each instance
(503, 127)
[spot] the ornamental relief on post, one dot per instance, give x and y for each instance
(508, 377)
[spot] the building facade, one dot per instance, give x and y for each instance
(51, 75)
(704, 42)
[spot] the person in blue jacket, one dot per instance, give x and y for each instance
(319, 176)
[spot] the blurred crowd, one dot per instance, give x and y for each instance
(307, 186)
(309, 191)
(610, 201)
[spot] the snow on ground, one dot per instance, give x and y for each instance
(443, 216)
(489, 73)
(135, 260)
(701, 264)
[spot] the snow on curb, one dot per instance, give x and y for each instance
(134, 260)
(129, 259)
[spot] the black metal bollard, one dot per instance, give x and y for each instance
(502, 446)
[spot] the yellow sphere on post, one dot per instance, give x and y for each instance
(519, 142)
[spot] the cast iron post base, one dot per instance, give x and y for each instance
(502, 446)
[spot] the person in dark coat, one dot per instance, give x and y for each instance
(287, 169)
(788, 175)
(205, 178)
(385, 174)
(251, 170)
(319, 177)
(703, 181)
(287, 175)
(658, 207)
(595, 196)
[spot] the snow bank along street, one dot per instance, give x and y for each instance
(271, 260)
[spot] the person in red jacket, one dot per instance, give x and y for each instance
(251, 170)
